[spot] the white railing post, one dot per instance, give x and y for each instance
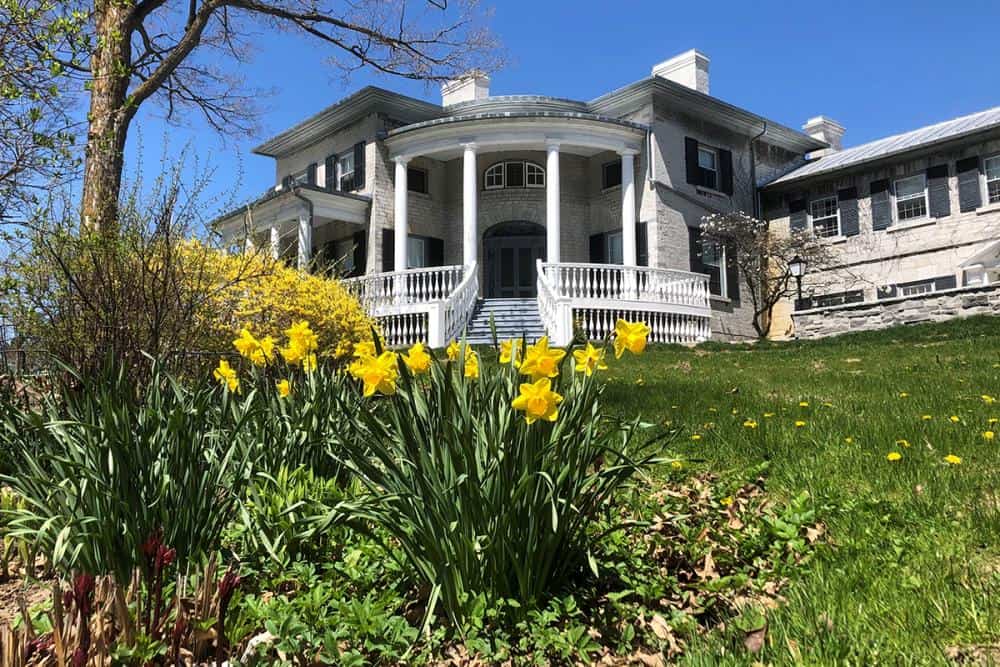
(436, 336)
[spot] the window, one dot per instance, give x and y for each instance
(838, 299)
(514, 175)
(416, 252)
(713, 258)
(825, 217)
(992, 168)
(913, 289)
(708, 161)
(416, 180)
(616, 253)
(343, 255)
(346, 166)
(299, 177)
(911, 198)
(611, 174)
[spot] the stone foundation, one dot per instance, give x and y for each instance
(932, 307)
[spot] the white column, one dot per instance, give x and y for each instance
(552, 233)
(470, 236)
(275, 242)
(628, 209)
(399, 214)
(305, 241)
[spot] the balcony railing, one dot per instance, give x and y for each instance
(589, 298)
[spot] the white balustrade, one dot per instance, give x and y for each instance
(589, 298)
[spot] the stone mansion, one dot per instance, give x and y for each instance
(543, 214)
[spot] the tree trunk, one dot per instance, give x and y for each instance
(110, 115)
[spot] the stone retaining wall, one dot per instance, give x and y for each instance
(932, 307)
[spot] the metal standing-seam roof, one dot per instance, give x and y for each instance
(881, 148)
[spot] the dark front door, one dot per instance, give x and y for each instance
(511, 250)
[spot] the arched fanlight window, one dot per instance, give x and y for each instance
(514, 174)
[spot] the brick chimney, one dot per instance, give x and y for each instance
(825, 129)
(474, 85)
(688, 69)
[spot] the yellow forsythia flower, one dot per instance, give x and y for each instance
(510, 351)
(377, 373)
(893, 456)
(471, 365)
(540, 361)
(951, 459)
(284, 388)
(589, 359)
(226, 375)
(630, 336)
(538, 401)
(417, 359)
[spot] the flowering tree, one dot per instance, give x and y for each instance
(763, 257)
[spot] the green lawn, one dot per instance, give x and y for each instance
(910, 570)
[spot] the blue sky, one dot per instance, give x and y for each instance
(878, 69)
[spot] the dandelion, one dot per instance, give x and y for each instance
(768, 415)
(954, 419)
(538, 401)
(284, 388)
(377, 373)
(926, 418)
(713, 410)
(540, 361)
(727, 501)
(803, 404)
(893, 456)
(988, 435)
(849, 440)
(799, 423)
(417, 359)
(226, 375)
(951, 459)
(696, 437)
(630, 336)
(992, 420)
(750, 423)
(903, 394)
(988, 400)
(639, 381)
(902, 443)
(676, 465)
(510, 351)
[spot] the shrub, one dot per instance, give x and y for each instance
(488, 497)
(102, 469)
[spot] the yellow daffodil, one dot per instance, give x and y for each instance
(589, 359)
(538, 401)
(284, 388)
(750, 423)
(988, 435)
(471, 365)
(377, 373)
(260, 352)
(365, 348)
(893, 456)
(309, 363)
(799, 423)
(540, 361)
(951, 459)
(453, 350)
(302, 342)
(417, 359)
(226, 375)
(954, 419)
(510, 351)
(246, 343)
(630, 336)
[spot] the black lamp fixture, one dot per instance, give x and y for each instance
(797, 267)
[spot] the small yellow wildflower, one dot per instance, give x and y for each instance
(992, 420)
(417, 359)
(750, 423)
(377, 373)
(768, 415)
(827, 404)
(951, 459)
(540, 361)
(903, 394)
(284, 388)
(849, 440)
(926, 418)
(510, 351)
(893, 456)
(226, 375)
(988, 435)
(696, 437)
(630, 336)
(471, 365)
(676, 465)
(713, 409)
(538, 401)
(954, 419)
(803, 404)
(639, 381)
(799, 423)
(988, 400)
(589, 359)
(903, 442)
(727, 501)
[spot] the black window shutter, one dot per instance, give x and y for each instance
(331, 173)
(939, 204)
(435, 252)
(969, 195)
(311, 174)
(881, 205)
(725, 171)
(691, 161)
(388, 248)
(598, 248)
(797, 219)
(847, 200)
(359, 165)
(641, 244)
(360, 252)
(732, 275)
(694, 250)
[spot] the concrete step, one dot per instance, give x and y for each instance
(512, 318)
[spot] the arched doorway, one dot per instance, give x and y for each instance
(510, 250)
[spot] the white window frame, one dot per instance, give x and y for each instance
(723, 286)
(608, 254)
(896, 199)
(343, 173)
(922, 287)
(533, 171)
(714, 152)
(987, 180)
(836, 208)
(500, 169)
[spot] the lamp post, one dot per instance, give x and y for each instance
(797, 267)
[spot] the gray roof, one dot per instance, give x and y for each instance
(955, 128)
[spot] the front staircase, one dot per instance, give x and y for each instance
(513, 318)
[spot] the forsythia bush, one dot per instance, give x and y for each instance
(262, 294)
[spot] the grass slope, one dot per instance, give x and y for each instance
(912, 571)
